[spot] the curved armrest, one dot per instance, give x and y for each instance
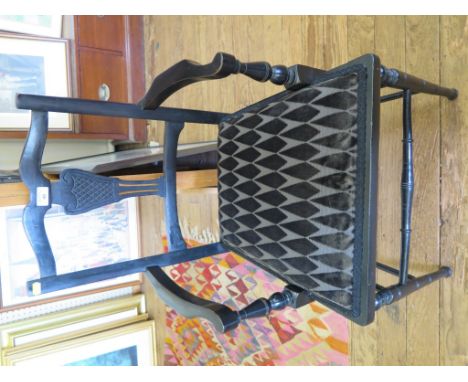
(184, 73)
(187, 72)
(221, 316)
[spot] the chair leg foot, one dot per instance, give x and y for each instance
(397, 79)
(396, 292)
(453, 95)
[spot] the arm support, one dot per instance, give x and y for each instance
(187, 72)
(221, 316)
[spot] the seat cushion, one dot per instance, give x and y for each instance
(292, 185)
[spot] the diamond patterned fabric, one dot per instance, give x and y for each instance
(287, 186)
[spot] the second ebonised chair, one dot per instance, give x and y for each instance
(297, 186)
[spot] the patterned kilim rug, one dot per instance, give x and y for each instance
(311, 335)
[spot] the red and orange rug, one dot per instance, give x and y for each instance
(311, 335)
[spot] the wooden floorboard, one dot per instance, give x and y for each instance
(454, 202)
(431, 326)
(422, 59)
(390, 47)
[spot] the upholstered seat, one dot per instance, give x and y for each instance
(291, 172)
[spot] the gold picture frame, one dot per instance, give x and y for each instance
(129, 345)
(61, 326)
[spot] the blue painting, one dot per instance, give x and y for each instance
(122, 357)
(19, 74)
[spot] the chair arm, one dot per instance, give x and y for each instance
(222, 317)
(187, 72)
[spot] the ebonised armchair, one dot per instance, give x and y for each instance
(297, 186)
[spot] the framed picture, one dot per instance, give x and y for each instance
(25, 331)
(32, 66)
(130, 345)
(102, 236)
(71, 323)
(41, 25)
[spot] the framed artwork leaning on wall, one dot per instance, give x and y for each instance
(41, 25)
(62, 326)
(130, 345)
(102, 236)
(32, 65)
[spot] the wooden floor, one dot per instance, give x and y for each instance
(431, 326)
